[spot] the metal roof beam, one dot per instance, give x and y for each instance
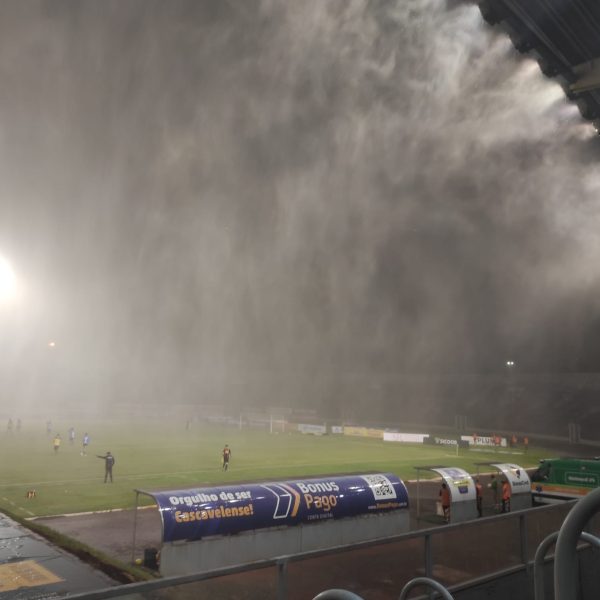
(524, 18)
(588, 76)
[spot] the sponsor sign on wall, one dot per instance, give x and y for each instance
(440, 441)
(483, 440)
(443, 441)
(194, 514)
(313, 429)
(338, 429)
(517, 477)
(415, 438)
(364, 432)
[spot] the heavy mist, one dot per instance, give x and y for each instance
(264, 202)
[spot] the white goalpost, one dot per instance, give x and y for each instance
(265, 421)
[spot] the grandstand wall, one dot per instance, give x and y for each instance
(536, 404)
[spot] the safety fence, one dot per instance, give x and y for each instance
(452, 555)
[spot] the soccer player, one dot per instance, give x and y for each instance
(86, 442)
(226, 457)
(109, 461)
(56, 443)
(72, 435)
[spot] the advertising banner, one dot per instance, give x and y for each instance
(461, 484)
(442, 441)
(363, 432)
(415, 438)
(313, 429)
(517, 477)
(438, 441)
(483, 440)
(337, 429)
(194, 514)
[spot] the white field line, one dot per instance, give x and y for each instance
(111, 510)
(90, 479)
(89, 512)
(492, 451)
(161, 474)
(17, 506)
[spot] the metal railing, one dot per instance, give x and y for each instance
(418, 581)
(425, 581)
(565, 556)
(538, 562)
(566, 572)
(337, 595)
(535, 519)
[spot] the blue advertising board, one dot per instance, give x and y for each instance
(194, 514)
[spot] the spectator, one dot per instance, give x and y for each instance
(445, 500)
(493, 485)
(479, 497)
(506, 496)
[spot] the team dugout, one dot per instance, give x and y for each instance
(463, 504)
(518, 480)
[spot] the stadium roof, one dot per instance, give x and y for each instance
(564, 36)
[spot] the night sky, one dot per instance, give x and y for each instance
(200, 191)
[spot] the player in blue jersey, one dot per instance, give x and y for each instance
(85, 443)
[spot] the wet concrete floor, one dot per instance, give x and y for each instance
(31, 567)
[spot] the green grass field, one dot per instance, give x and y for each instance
(153, 456)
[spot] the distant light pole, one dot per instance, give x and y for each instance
(510, 388)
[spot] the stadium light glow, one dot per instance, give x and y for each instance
(8, 282)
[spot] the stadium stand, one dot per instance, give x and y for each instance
(563, 37)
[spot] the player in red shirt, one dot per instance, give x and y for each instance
(226, 457)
